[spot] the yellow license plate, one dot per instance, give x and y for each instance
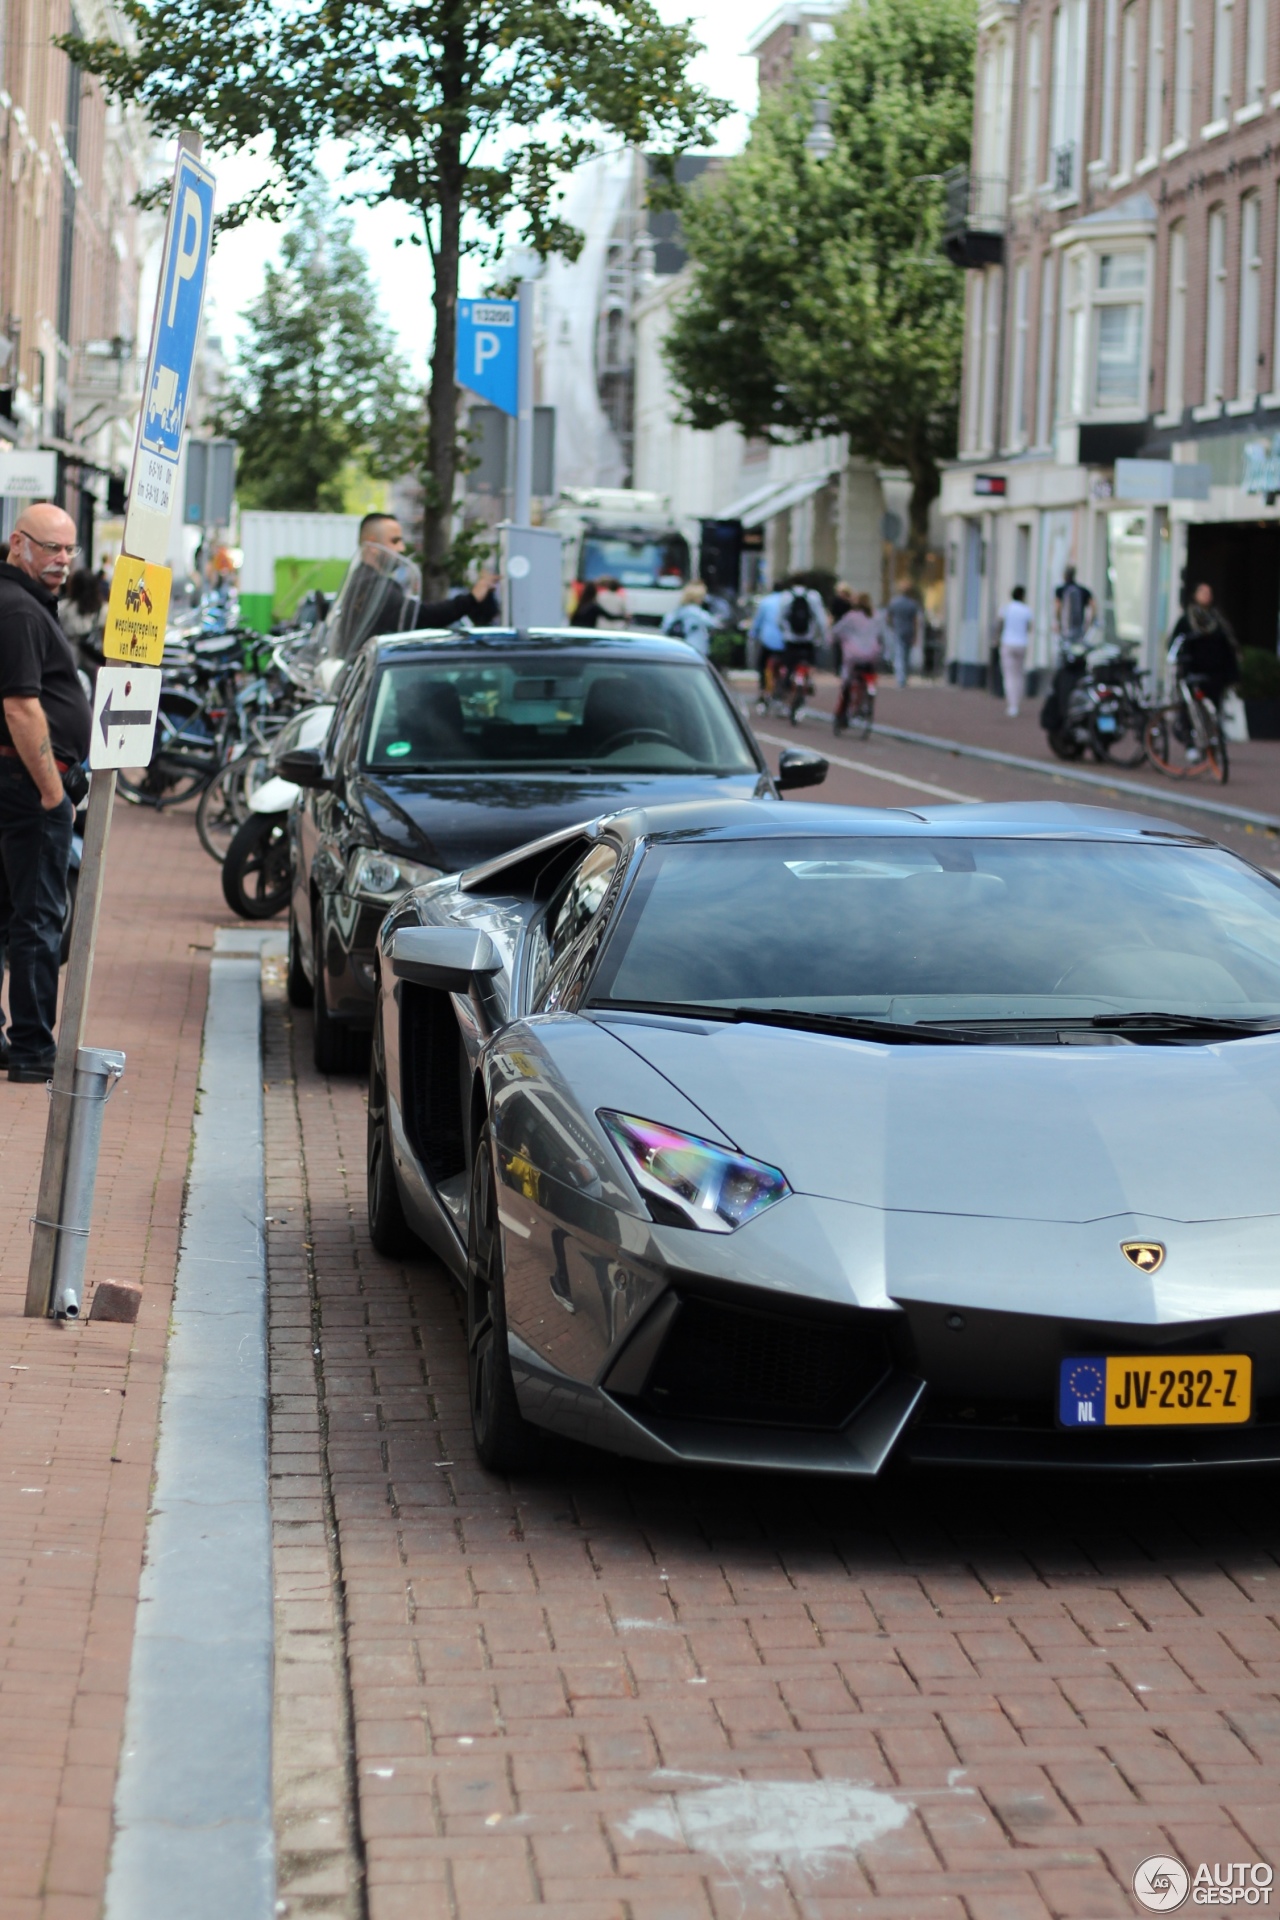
(1155, 1390)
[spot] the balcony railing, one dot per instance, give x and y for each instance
(974, 218)
(1062, 167)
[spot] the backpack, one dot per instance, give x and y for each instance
(799, 615)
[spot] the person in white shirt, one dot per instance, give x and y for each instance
(1015, 632)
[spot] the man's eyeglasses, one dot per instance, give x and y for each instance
(50, 546)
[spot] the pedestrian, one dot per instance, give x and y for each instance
(1202, 644)
(690, 620)
(588, 612)
(1073, 611)
(1209, 619)
(44, 739)
(612, 601)
(1015, 632)
(83, 617)
(902, 619)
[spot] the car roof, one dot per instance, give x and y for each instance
(644, 645)
(718, 820)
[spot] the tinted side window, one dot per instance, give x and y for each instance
(349, 717)
(567, 920)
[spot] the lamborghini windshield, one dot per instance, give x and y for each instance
(908, 930)
(553, 712)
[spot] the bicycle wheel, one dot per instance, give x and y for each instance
(863, 714)
(1217, 764)
(183, 758)
(1167, 739)
(224, 805)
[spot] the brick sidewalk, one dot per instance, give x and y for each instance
(613, 1692)
(79, 1403)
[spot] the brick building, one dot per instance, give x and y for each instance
(1119, 235)
(71, 250)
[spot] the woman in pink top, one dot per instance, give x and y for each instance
(857, 637)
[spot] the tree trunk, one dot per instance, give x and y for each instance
(926, 485)
(442, 402)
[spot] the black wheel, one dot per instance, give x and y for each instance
(1066, 746)
(257, 874)
(183, 760)
(505, 1442)
(296, 985)
(68, 915)
(389, 1231)
(336, 1047)
(1127, 746)
(224, 806)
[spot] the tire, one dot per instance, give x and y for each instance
(389, 1231)
(1065, 746)
(68, 915)
(183, 760)
(257, 874)
(336, 1047)
(1128, 747)
(297, 987)
(504, 1440)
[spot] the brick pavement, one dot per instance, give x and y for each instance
(614, 1692)
(78, 1404)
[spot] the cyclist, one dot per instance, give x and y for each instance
(857, 636)
(1203, 652)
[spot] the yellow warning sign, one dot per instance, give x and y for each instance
(138, 612)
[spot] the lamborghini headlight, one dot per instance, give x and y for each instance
(711, 1187)
(380, 878)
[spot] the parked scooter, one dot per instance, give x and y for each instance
(1097, 705)
(257, 867)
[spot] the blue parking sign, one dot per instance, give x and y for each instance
(173, 346)
(489, 350)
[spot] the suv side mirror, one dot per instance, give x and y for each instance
(452, 958)
(304, 766)
(799, 768)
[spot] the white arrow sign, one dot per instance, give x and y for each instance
(125, 702)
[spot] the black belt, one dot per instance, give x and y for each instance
(11, 753)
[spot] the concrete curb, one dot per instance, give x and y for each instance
(194, 1833)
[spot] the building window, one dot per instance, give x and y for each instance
(1250, 296)
(993, 294)
(1044, 369)
(1255, 54)
(1031, 124)
(1275, 321)
(1018, 379)
(1106, 118)
(1184, 72)
(973, 356)
(1215, 326)
(1072, 359)
(1129, 87)
(1223, 21)
(1067, 105)
(1118, 316)
(1155, 80)
(1175, 346)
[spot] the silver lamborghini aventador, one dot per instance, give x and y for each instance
(814, 1137)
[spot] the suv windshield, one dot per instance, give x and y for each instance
(553, 711)
(913, 929)
(635, 557)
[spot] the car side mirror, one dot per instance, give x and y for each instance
(799, 768)
(304, 766)
(452, 958)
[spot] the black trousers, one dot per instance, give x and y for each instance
(35, 848)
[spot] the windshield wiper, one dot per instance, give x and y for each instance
(1182, 1023)
(848, 1026)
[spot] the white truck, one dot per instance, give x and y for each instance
(615, 533)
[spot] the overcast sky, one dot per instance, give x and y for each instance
(401, 272)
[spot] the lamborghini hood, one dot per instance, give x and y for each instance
(1053, 1133)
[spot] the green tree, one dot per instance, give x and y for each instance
(822, 301)
(467, 113)
(318, 391)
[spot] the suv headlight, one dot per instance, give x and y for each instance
(709, 1186)
(380, 878)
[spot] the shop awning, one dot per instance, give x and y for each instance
(754, 508)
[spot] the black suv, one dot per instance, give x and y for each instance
(447, 749)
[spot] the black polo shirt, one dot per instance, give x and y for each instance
(36, 662)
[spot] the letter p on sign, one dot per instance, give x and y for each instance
(488, 347)
(190, 234)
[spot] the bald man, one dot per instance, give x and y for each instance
(44, 732)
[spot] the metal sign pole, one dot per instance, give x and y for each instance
(524, 410)
(75, 1004)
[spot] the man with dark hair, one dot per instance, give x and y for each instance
(380, 534)
(44, 735)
